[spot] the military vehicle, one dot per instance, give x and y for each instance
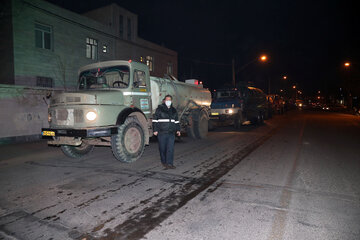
(235, 106)
(114, 105)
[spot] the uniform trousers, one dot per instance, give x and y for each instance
(166, 147)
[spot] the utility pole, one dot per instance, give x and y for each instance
(233, 73)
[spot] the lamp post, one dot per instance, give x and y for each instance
(262, 58)
(347, 83)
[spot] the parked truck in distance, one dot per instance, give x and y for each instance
(114, 105)
(235, 106)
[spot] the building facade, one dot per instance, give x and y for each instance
(44, 45)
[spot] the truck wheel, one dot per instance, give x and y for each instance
(238, 120)
(129, 143)
(201, 125)
(77, 151)
(190, 128)
(260, 118)
(266, 114)
(212, 125)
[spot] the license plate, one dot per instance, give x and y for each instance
(48, 133)
(214, 113)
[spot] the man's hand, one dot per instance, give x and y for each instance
(155, 133)
(178, 133)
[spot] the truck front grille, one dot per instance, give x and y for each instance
(68, 117)
(62, 114)
(78, 115)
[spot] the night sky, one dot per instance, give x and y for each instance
(308, 41)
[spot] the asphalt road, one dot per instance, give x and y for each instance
(295, 177)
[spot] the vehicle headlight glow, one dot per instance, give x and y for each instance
(231, 111)
(91, 115)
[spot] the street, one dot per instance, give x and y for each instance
(294, 177)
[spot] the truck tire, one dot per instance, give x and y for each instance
(201, 124)
(212, 125)
(190, 128)
(238, 120)
(77, 151)
(129, 143)
(266, 114)
(260, 118)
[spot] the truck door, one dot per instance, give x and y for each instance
(141, 92)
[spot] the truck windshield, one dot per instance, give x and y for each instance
(226, 94)
(105, 78)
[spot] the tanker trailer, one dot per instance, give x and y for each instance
(113, 106)
(190, 99)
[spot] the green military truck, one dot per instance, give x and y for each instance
(114, 105)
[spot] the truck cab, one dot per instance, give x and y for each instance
(236, 106)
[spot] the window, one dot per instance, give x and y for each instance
(107, 77)
(44, 82)
(129, 29)
(170, 68)
(105, 49)
(139, 79)
(150, 63)
(91, 48)
(142, 59)
(121, 26)
(43, 35)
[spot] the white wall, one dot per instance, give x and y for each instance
(23, 112)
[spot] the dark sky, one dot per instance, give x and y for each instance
(306, 40)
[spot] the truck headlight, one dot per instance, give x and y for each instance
(91, 115)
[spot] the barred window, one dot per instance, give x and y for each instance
(129, 29)
(44, 82)
(150, 63)
(91, 48)
(121, 26)
(43, 36)
(170, 67)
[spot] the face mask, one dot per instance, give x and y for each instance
(168, 103)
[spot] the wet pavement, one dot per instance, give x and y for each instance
(295, 177)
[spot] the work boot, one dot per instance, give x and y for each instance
(171, 167)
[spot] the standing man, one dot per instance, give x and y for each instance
(166, 124)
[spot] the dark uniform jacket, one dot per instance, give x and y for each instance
(166, 120)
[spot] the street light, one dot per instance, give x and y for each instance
(284, 77)
(294, 87)
(262, 58)
(347, 64)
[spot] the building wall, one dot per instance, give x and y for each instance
(6, 44)
(24, 112)
(135, 47)
(69, 33)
